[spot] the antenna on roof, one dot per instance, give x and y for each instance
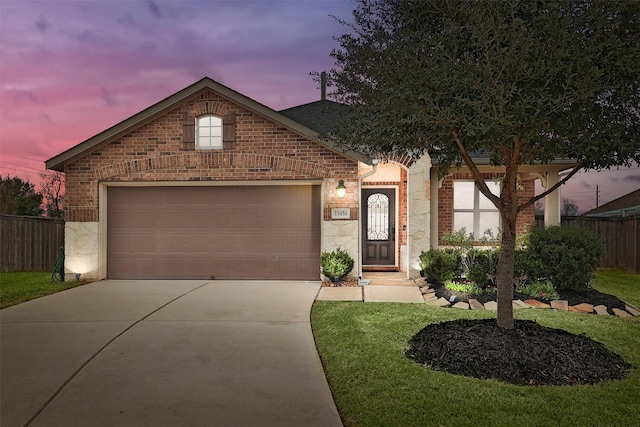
(323, 85)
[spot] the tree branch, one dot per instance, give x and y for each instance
(550, 190)
(475, 172)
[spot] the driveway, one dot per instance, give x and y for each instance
(164, 353)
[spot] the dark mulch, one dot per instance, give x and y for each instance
(529, 354)
(593, 297)
(344, 283)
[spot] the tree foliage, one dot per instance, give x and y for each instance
(18, 197)
(525, 81)
(558, 79)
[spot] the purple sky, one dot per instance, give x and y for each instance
(71, 69)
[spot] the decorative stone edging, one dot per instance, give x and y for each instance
(430, 298)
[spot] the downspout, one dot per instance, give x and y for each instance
(371, 172)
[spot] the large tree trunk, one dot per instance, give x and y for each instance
(507, 259)
(506, 262)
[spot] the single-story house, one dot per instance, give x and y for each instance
(623, 206)
(209, 183)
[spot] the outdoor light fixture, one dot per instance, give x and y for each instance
(341, 190)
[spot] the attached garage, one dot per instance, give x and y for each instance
(213, 232)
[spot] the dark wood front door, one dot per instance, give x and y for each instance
(379, 226)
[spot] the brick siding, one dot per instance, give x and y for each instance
(263, 150)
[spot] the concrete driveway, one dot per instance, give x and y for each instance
(164, 353)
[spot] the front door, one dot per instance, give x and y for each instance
(379, 226)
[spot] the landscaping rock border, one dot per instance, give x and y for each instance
(430, 295)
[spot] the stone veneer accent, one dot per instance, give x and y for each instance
(342, 234)
(81, 249)
(418, 213)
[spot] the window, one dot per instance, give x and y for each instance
(473, 211)
(209, 132)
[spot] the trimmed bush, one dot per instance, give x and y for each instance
(566, 256)
(543, 291)
(483, 264)
(438, 265)
(336, 264)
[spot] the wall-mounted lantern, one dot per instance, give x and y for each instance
(341, 190)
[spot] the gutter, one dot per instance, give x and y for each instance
(371, 172)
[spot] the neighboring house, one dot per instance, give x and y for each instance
(208, 183)
(624, 206)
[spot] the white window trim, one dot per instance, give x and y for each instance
(476, 211)
(209, 147)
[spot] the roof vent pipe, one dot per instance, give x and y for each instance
(323, 85)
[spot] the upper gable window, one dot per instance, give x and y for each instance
(209, 132)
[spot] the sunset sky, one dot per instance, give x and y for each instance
(71, 69)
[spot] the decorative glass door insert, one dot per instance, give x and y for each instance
(378, 217)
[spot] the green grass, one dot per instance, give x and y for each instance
(24, 286)
(621, 283)
(362, 349)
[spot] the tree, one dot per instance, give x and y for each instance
(18, 197)
(52, 190)
(539, 207)
(569, 207)
(526, 81)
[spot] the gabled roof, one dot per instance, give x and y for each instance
(172, 102)
(622, 206)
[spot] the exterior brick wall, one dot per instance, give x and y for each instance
(263, 150)
(445, 203)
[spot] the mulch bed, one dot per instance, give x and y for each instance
(529, 354)
(590, 296)
(341, 284)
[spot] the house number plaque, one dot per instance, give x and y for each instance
(340, 213)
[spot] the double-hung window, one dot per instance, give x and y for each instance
(209, 132)
(473, 211)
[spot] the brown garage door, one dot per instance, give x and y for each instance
(261, 232)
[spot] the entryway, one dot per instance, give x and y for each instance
(379, 229)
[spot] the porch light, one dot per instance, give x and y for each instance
(341, 190)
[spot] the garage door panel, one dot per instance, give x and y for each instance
(264, 232)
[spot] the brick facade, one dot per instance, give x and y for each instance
(445, 203)
(263, 150)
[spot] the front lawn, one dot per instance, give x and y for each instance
(374, 384)
(24, 286)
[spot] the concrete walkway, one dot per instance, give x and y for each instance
(165, 353)
(381, 287)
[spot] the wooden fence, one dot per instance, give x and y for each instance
(621, 237)
(29, 243)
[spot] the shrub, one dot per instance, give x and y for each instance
(567, 256)
(482, 264)
(438, 265)
(467, 288)
(539, 290)
(336, 264)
